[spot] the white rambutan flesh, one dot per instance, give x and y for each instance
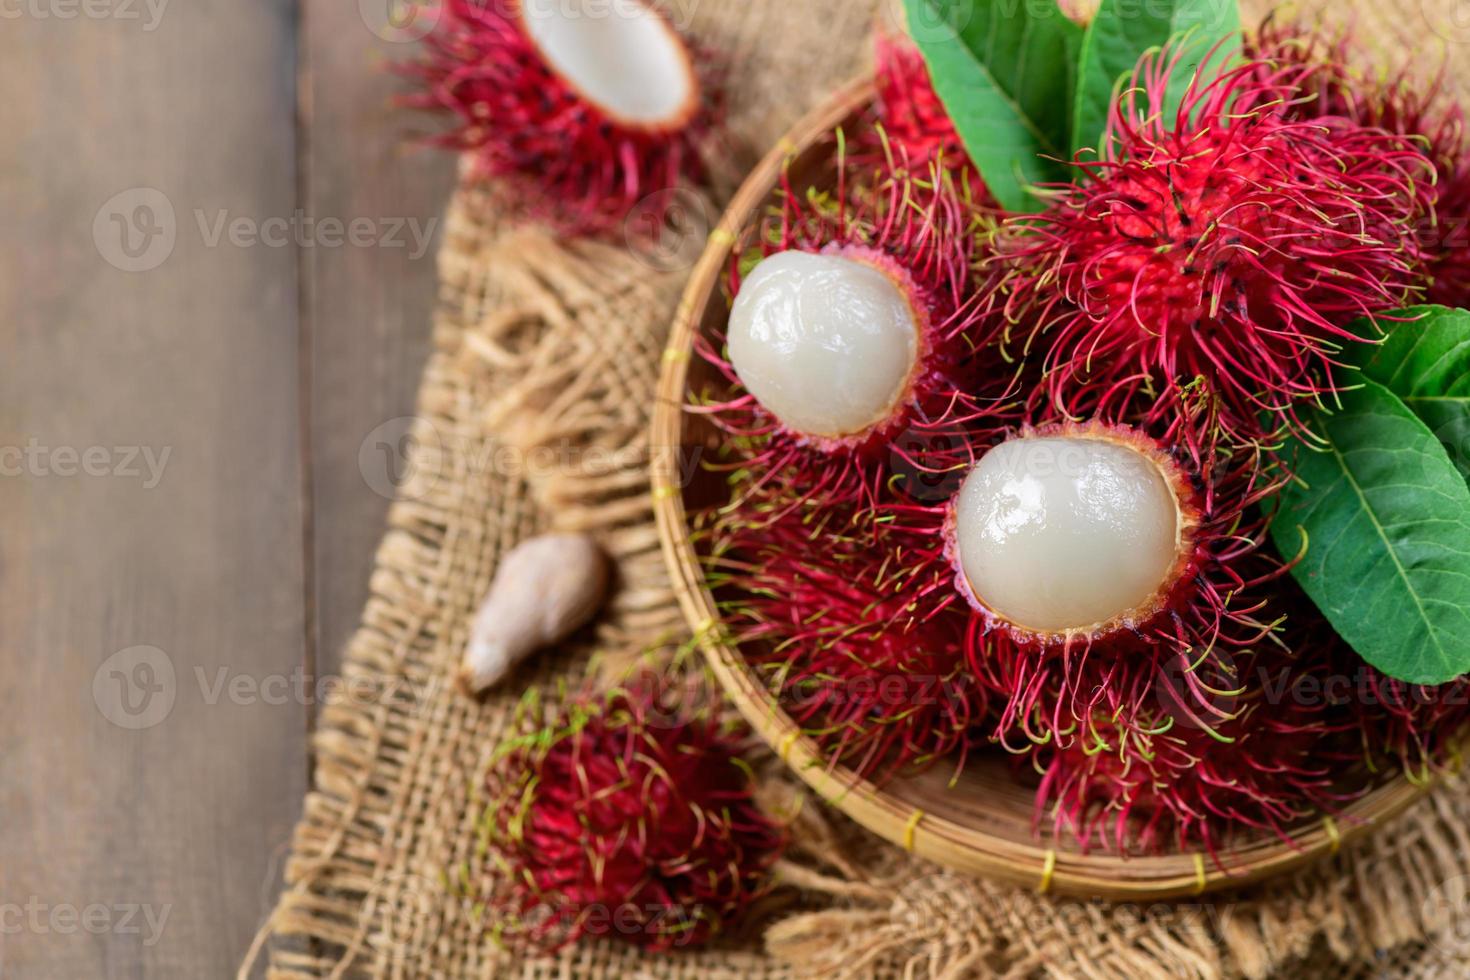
(1080, 531)
(826, 343)
(620, 55)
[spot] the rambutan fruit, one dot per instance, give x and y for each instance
(1329, 81)
(1099, 558)
(1417, 729)
(914, 119)
(629, 819)
(853, 325)
(585, 107)
(1227, 245)
(1156, 784)
(862, 643)
(1075, 532)
(1075, 529)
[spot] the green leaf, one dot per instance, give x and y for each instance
(1426, 362)
(1005, 71)
(1123, 31)
(1387, 522)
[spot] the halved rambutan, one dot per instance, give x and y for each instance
(861, 642)
(1077, 529)
(1226, 245)
(853, 333)
(586, 107)
(628, 818)
(1099, 559)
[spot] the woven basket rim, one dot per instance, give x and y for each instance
(1058, 870)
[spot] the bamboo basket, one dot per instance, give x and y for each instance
(983, 824)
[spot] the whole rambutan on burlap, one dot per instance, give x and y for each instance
(556, 347)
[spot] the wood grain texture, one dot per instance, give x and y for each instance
(197, 358)
(366, 307)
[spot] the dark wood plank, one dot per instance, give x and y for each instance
(367, 308)
(196, 358)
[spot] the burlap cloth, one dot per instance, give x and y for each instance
(532, 415)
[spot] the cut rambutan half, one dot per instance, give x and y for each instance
(1098, 560)
(863, 644)
(587, 107)
(630, 818)
(1227, 245)
(854, 333)
(1075, 529)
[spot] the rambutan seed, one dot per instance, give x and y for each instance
(1079, 529)
(827, 343)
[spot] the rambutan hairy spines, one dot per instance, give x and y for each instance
(1330, 80)
(1137, 790)
(585, 109)
(1226, 245)
(913, 118)
(861, 641)
(631, 818)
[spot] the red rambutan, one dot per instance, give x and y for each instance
(1417, 729)
(1227, 245)
(852, 336)
(626, 819)
(914, 119)
(1158, 783)
(586, 107)
(1328, 81)
(1098, 560)
(863, 644)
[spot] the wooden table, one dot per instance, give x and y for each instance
(196, 405)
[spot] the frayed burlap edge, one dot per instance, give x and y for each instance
(533, 415)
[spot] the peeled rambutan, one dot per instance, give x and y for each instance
(585, 107)
(854, 333)
(862, 643)
(1098, 558)
(1227, 245)
(627, 818)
